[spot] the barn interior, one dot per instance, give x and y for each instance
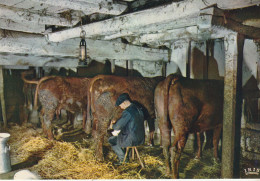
(202, 39)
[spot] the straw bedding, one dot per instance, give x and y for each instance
(75, 159)
(71, 160)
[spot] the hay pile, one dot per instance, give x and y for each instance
(65, 160)
(76, 159)
(25, 141)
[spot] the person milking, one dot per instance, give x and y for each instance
(128, 129)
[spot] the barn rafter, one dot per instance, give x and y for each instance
(110, 21)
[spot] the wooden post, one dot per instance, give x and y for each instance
(258, 76)
(258, 65)
(164, 69)
(232, 106)
(2, 96)
(113, 66)
(126, 66)
(188, 60)
(130, 68)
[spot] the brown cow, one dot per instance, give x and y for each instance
(103, 92)
(187, 106)
(56, 93)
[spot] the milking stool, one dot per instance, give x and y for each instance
(134, 150)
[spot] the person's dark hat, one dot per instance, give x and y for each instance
(123, 97)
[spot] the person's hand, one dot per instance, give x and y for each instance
(111, 124)
(116, 132)
(113, 121)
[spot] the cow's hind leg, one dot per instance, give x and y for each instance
(151, 126)
(216, 136)
(103, 124)
(176, 150)
(166, 141)
(47, 118)
(50, 103)
(199, 143)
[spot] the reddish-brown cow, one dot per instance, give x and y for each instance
(187, 106)
(56, 93)
(103, 92)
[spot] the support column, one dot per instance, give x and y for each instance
(258, 76)
(232, 106)
(130, 68)
(113, 66)
(258, 66)
(2, 96)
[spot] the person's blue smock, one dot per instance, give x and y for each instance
(131, 125)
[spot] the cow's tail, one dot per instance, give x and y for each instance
(166, 88)
(90, 105)
(24, 74)
(37, 90)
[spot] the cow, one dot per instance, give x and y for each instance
(103, 92)
(187, 106)
(57, 93)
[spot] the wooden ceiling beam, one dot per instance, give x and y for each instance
(13, 42)
(21, 26)
(18, 15)
(137, 20)
(86, 7)
(37, 61)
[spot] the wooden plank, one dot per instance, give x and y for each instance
(22, 15)
(171, 35)
(37, 61)
(236, 4)
(232, 106)
(137, 20)
(21, 26)
(2, 96)
(249, 31)
(258, 66)
(97, 49)
(252, 22)
(87, 8)
(160, 29)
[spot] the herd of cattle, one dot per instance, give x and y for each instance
(177, 103)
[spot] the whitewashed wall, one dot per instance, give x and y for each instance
(179, 57)
(250, 61)
(147, 69)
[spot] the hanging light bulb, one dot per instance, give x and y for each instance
(82, 49)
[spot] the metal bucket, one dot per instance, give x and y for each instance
(5, 162)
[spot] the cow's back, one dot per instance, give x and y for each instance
(140, 89)
(199, 101)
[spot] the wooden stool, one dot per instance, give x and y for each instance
(134, 150)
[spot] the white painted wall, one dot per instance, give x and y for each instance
(251, 57)
(179, 56)
(147, 69)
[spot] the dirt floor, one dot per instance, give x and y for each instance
(73, 157)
